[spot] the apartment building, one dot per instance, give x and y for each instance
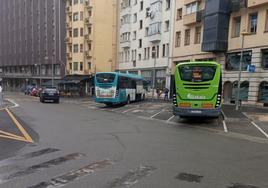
(145, 39)
(220, 30)
(32, 48)
(91, 36)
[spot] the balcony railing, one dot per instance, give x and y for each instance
(125, 44)
(195, 17)
(186, 2)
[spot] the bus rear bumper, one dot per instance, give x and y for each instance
(107, 100)
(177, 111)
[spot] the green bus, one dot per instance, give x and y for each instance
(198, 89)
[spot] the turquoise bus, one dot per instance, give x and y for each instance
(117, 88)
(198, 89)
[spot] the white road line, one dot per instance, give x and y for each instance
(156, 114)
(262, 131)
(13, 102)
(130, 110)
(169, 119)
(224, 126)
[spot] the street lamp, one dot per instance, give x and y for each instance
(154, 53)
(240, 70)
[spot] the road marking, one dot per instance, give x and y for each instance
(157, 114)
(13, 102)
(130, 110)
(169, 119)
(20, 127)
(260, 129)
(13, 138)
(224, 126)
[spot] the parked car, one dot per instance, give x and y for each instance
(35, 91)
(51, 94)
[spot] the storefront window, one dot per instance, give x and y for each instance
(233, 61)
(265, 58)
(244, 88)
(263, 92)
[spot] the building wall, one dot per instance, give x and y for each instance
(99, 24)
(254, 43)
(133, 58)
(31, 39)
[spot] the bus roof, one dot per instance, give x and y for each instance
(135, 76)
(198, 62)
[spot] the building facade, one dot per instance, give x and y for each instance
(91, 36)
(220, 30)
(32, 44)
(145, 39)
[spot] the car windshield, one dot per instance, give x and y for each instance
(105, 78)
(193, 73)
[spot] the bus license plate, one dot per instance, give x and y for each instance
(196, 111)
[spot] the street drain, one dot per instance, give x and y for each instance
(132, 177)
(71, 176)
(238, 185)
(51, 163)
(189, 177)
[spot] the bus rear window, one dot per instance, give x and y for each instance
(192, 73)
(105, 78)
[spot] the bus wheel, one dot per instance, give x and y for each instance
(128, 99)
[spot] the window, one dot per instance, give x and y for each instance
(81, 48)
(163, 50)
(76, 32)
(236, 26)
(81, 1)
(81, 32)
(81, 66)
(192, 73)
(167, 25)
(140, 43)
(70, 66)
(187, 37)
(197, 38)
(253, 23)
(153, 52)
(178, 39)
(263, 92)
(141, 23)
(233, 61)
(135, 18)
(265, 58)
(244, 89)
(167, 4)
(75, 48)
(89, 65)
(75, 2)
(157, 51)
(75, 16)
(146, 31)
(191, 8)
(134, 35)
(75, 66)
(81, 15)
(141, 5)
(179, 14)
(266, 22)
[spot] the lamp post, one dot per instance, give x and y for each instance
(240, 71)
(154, 53)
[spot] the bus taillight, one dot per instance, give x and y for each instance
(116, 93)
(207, 105)
(185, 105)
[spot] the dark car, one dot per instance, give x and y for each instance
(51, 94)
(28, 89)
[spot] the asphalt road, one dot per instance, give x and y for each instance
(78, 146)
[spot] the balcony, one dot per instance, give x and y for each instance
(68, 40)
(193, 18)
(88, 22)
(16, 75)
(155, 37)
(88, 38)
(69, 55)
(88, 54)
(69, 10)
(88, 5)
(125, 44)
(186, 2)
(255, 3)
(69, 25)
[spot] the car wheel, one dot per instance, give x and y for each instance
(57, 101)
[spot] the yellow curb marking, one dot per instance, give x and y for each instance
(26, 137)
